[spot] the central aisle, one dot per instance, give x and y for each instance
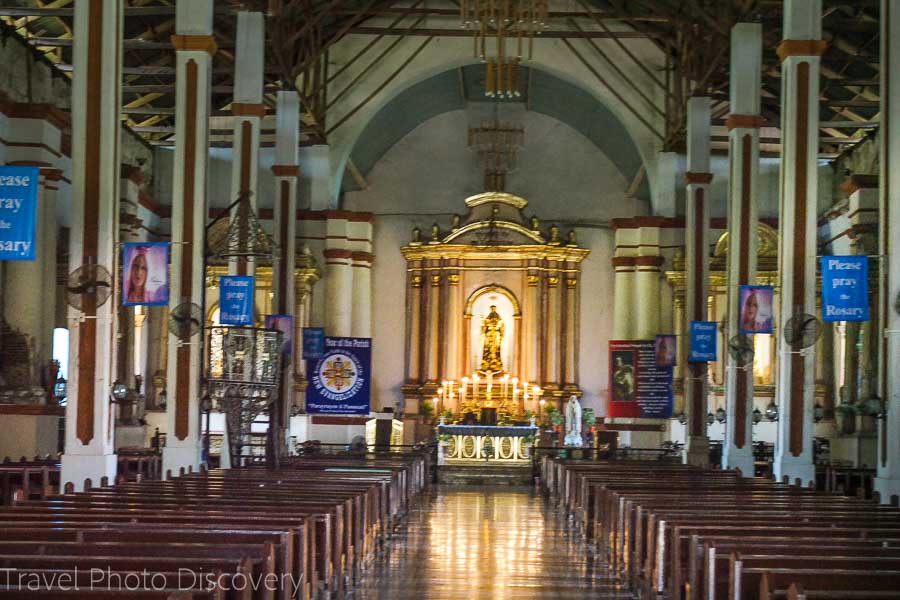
(486, 543)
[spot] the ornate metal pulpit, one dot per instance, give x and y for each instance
(244, 372)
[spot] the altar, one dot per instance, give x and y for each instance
(485, 444)
(492, 315)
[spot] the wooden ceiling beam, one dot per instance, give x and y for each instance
(442, 32)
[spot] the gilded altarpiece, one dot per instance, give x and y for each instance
(494, 296)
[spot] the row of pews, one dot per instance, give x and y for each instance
(676, 532)
(28, 478)
(305, 530)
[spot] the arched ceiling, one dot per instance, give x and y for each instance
(453, 89)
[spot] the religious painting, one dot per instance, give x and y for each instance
(665, 346)
(638, 386)
(756, 309)
(623, 385)
(146, 281)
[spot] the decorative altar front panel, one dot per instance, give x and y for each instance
(467, 444)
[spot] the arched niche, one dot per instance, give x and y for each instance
(478, 306)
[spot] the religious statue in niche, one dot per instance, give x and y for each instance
(491, 340)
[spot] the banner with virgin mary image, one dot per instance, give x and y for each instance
(756, 309)
(146, 280)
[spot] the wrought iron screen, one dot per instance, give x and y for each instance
(243, 375)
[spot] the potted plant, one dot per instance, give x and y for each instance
(426, 409)
(557, 419)
(588, 418)
(528, 417)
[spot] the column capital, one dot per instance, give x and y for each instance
(248, 109)
(811, 48)
(195, 43)
(286, 170)
(337, 253)
(854, 183)
(366, 257)
(624, 261)
(736, 121)
(649, 261)
(697, 178)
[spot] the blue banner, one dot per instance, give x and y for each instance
(236, 300)
(845, 288)
(18, 212)
(313, 343)
(703, 336)
(340, 381)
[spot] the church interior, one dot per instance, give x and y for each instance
(393, 299)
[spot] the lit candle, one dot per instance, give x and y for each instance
(515, 387)
(475, 387)
(465, 384)
(525, 387)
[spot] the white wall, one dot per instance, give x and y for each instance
(426, 177)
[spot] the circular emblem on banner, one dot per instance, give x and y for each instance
(340, 375)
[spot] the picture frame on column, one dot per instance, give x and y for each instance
(755, 309)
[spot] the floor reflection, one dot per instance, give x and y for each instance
(486, 543)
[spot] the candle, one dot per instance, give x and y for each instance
(465, 384)
(515, 387)
(475, 387)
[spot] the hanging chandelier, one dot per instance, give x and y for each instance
(513, 24)
(498, 145)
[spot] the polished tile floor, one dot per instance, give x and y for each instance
(486, 543)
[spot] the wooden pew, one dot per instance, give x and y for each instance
(775, 583)
(660, 524)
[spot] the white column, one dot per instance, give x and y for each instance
(195, 48)
(286, 171)
(21, 278)
(743, 135)
(800, 53)
(338, 292)
(646, 302)
(248, 110)
(623, 297)
(96, 102)
(361, 325)
(887, 483)
(697, 204)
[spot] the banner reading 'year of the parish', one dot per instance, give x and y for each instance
(638, 386)
(340, 380)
